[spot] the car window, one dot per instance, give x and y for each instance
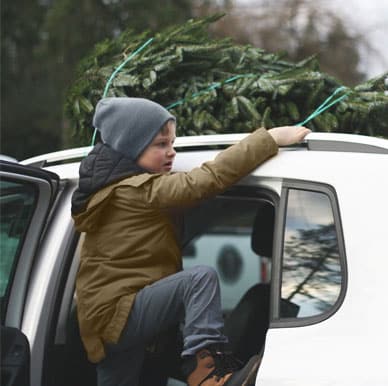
(311, 270)
(17, 203)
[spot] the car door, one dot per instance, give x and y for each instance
(309, 283)
(26, 196)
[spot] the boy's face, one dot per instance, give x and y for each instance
(159, 155)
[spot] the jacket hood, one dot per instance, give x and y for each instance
(102, 167)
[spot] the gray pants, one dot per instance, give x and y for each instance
(191, 297)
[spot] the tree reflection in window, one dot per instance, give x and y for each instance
(311, 261)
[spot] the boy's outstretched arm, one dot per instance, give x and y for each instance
(288, 135)
(228, 167)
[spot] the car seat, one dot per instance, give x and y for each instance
(247, 324)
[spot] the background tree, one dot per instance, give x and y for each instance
(25, 120)
(42, 41)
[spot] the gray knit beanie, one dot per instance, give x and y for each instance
(128, 125)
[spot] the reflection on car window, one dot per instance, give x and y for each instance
(17, 202)
(311, 280)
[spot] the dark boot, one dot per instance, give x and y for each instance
(214, 366)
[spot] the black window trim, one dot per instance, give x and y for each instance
(276, 279)
(255, 192)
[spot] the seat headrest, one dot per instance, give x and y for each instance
(263, 230)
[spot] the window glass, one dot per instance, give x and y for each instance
(17, 202)
(223, 240)
(311, 274)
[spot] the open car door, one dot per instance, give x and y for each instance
(26, 197)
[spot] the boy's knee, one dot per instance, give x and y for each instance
(205, 271)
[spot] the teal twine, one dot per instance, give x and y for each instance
(108, 83)
(325, 105)
(123, 64)
(204, 91)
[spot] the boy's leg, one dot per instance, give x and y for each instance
(192, 296)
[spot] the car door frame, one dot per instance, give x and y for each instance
(46, 185)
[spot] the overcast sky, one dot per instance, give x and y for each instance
(368, 18)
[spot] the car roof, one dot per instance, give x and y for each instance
(67, 161)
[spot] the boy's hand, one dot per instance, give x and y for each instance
(288, 135)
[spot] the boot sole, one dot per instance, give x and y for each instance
(247, 375)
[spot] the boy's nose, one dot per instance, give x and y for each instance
(171, 152)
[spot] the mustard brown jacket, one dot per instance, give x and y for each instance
(130, 239)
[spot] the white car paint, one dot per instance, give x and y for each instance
(348, 348)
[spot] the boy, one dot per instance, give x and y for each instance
(130, 284)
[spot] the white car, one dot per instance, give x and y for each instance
(301, 247)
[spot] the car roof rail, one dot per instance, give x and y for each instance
(346, 143)
(313, 141)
